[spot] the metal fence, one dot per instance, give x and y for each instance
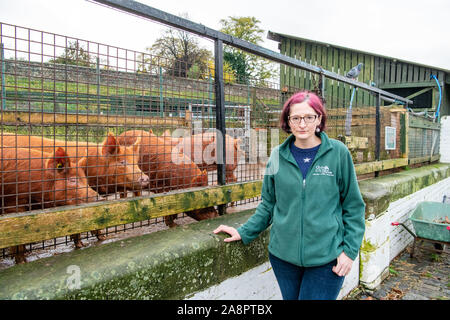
(64, 126)
(423, 139)
(84, 122)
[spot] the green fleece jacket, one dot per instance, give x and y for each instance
(313, 218)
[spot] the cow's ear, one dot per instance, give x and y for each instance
(59, 160)
(110, 145)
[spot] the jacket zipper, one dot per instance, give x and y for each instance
(303, 214)
(303, 207)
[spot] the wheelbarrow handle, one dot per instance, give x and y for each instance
(407, 229)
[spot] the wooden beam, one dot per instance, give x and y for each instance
(418, 93)
(16, 117)
(355, 122)
(408, 85)
(417, 122)
(33, 226)
(436, 157)
(394, 108)
(404, 147)
(369, 167)
(356, 142)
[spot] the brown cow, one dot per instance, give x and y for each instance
(34, 179)
(108, 166)
(205, 157)
(166, 171)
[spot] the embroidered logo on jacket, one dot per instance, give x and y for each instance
(323, 171)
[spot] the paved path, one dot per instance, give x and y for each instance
(426, 276)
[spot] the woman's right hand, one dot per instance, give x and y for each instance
(230, 230)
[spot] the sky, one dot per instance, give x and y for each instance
(413, 30)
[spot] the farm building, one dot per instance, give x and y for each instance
(404, 78)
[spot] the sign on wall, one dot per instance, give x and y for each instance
(389, 138)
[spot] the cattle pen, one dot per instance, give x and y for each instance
(98, 139)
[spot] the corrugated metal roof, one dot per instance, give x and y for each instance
(277, 37)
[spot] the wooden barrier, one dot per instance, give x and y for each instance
(369, 167)
(46, 224)
(39, 118)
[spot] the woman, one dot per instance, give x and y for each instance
(310, 197)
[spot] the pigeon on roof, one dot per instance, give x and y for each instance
(354, 72)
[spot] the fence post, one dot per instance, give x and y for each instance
(98, 85)
(377, 129)
(3, 92)
(220, 115)
(161, 99)
(210, 102)
(406, 114)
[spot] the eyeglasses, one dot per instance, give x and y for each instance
(308, 119)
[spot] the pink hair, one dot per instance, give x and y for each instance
(313, 100)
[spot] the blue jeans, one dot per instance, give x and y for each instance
(306, 283)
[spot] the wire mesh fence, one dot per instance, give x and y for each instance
(423, 138)
(83, 122)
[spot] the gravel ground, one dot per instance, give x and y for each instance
(426, 276)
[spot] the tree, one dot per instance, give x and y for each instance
(177, 52)
(228, 72)
(236, 60)
(248, 67)
(74, 54)
(245, 28)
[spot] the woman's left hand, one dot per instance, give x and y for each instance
(344, 265)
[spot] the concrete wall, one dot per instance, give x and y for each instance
(260, 284)
(168, 264)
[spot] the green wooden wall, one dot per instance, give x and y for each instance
(333, 59)
(387, 73)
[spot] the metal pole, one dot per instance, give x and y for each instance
(3, 92)
(210, 102)
(98, 85)
(220, 116)
(161, 99)
(377, 129)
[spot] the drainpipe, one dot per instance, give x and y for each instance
(436, 115)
